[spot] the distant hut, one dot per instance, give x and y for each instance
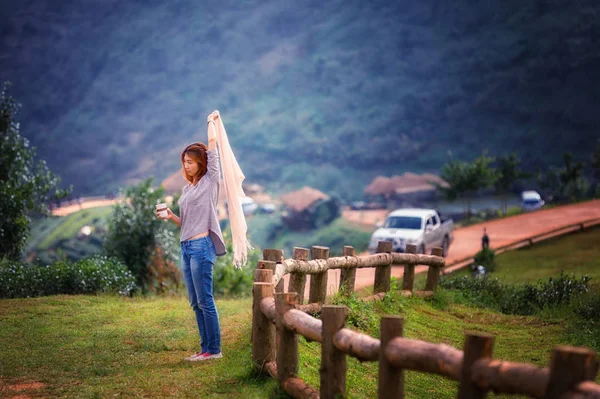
(309, 208)
(407, 189)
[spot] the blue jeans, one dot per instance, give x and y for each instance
(198, 260)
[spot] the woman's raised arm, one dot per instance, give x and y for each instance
(212, 131)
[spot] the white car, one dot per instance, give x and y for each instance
(421, 227)
(531, 200)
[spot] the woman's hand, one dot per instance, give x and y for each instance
(213, 116)
(169, 216)
(212, 134)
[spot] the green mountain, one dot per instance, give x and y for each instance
(328, 94)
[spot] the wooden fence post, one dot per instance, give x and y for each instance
(274, 255)
(263, 275)
(333, 361)
(383, 273)
(318, 282)
(287, 350)
(477, 346)
(270, 265)
(408, 279)
(263, 330)
(433, 274)
(391, 379)
(569, 367)
(348, 276)
(298, 280)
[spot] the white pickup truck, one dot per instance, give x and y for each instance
(420, 227)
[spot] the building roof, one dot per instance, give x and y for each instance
(302, 199)
(406, 183)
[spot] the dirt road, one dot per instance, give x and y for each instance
(467, 240)
(85, 204)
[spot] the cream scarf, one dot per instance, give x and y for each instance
(232, 178)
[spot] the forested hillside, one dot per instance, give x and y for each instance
(328, 94)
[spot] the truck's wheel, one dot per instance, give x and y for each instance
(445, 245)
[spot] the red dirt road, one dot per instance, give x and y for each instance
(467, 240)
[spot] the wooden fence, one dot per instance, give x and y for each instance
(299, 267)
(279, 317)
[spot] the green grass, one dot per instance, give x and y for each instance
(576, 253)
(105, 346)
(69, 225)
(41, 228)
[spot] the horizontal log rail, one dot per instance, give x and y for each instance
(570, 374)
(317, 266)
(360, 346)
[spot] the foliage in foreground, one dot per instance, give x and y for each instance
(92, 275)
(520, 299)
(25, 188)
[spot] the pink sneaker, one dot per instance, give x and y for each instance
(193, 357)
(207, 356)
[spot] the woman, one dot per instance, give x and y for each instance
(201, 239)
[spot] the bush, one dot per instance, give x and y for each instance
(26, 187)
(142, 241)
(90, 275)
(525, 299)
(486, 258)
(361, 314)
(231, 282)
(588, 306)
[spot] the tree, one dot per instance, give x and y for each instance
(466, 179)
(596, 167)
(567, 183)
(25, 188)
(574, 185)
(142, 241)
(507, 173)
(596, 160)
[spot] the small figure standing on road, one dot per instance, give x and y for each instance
(485, 240)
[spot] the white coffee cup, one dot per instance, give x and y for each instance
(162, 210)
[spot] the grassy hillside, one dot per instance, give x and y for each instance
(575, 253)
(104, 346)
(107, 346)
(54, 237)
(346, 88)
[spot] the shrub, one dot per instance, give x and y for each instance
(486, 258)
(587, 306)
(525, 299)
(135, 233)
(229, 282)
(557, 291)
(90, 275)
(361, 314)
